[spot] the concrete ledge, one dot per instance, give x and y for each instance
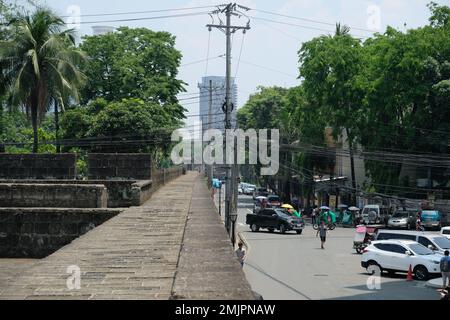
(208, 267)
(141, 192)
(53, 195)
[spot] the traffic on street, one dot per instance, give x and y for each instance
(290, 265)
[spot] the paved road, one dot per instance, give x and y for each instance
(293, 266)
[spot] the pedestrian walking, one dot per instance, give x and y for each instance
(323, 234)
(241, 254)
(445, 269)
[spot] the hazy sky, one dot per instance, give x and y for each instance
(269, 53)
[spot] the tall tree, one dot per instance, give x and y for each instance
(407, 92)
(330, 67)
(40, 61)
(134, 63)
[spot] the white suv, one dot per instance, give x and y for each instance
(445, 231)
(397, 255)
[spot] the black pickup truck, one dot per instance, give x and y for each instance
(275, 219)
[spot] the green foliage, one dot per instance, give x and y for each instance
(134, 63)
(39, 64)
(24, 141)
(130, 125)
(390, 93)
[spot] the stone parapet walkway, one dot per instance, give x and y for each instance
(136, 255)
(208, 268)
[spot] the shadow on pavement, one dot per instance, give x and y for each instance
(393, 290)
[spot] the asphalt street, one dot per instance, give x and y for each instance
(293, 267)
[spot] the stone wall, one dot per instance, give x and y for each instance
(37, 233)
(37, 166)
(53, 195)
(121, 193)
(107, 166)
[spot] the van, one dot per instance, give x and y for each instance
(433, 241)
(432, 219)
(375, 214)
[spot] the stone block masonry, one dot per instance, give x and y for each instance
(119, 166)
(53, 195)
(136, 255)
(38, 232)
(37, 166)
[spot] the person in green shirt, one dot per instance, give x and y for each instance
(294, 213)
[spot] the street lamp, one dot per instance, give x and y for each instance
(233, 218)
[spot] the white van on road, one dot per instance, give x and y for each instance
(375, 214)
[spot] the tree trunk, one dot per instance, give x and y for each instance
(352, 167)
(58, 146)
(34, 122)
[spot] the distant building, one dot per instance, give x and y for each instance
(218, 99)
(99, 30)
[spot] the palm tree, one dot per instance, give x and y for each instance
(41, 64)
(341, 30)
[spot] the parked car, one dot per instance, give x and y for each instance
(445, 231)
(275, 219)
(403, 219)
(260, 192)
(397, 255)
(433, 241)
(274, 201)
(240, 190)
(248, 189)
(432, 219)
(375, 214)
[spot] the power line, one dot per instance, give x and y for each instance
(139, 12)
(267, 68)
(200, 61)
(240, 55)
(309, 20)
(302, 26)
(147, 18)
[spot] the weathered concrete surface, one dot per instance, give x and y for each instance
(53, 195)
(208, 267)
(38, 232)
(121, 193)
(135, 255)
(38, 166)
(132, 256)
(119, 166)
(12, 268)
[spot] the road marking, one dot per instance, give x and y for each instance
(249, 210)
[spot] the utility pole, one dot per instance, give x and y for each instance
(210, 167)
(228, 29)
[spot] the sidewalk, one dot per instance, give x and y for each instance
(136, 255)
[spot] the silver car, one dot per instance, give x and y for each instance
(403, 219)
